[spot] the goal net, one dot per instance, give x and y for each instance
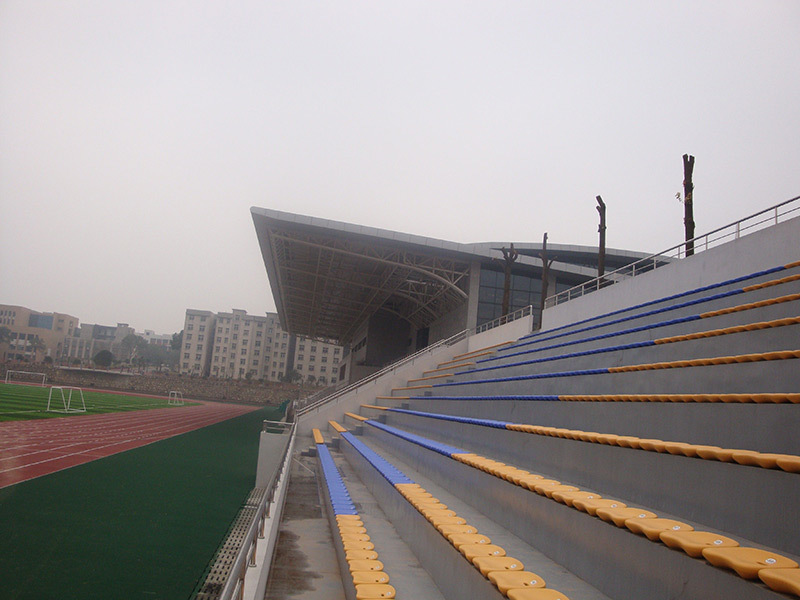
(175, 398)
(65, 399)
(28, 377)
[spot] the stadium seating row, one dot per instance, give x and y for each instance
(720, 551)
(366, 571)
(767, 460)
(506, 573)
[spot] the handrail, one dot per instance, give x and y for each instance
(388, 369)
(517, 314)
(770, 216)
(234, 585)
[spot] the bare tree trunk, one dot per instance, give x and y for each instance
(601, 253)
(545, 276)
(509, 256)
(688, 207)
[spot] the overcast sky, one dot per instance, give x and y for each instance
(135, 135)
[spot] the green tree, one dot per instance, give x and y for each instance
(37, 345)
(104, 358)
(177, 341)
(5, 335)
(291, 376)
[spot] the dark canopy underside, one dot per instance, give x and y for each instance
(327, 283)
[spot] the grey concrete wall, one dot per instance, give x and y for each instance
(271, 447)
(777, 245)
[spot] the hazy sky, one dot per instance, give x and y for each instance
(135, 135)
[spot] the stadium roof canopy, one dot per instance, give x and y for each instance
(328, 277)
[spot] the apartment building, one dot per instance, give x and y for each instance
(198, 335)
(246, 346)
(26, 325)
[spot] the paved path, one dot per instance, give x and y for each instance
(30, 449)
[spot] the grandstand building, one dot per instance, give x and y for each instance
(383, 294)
(625, 447)
(235, 345)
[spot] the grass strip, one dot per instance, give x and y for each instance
(139, 524)
(23, 402)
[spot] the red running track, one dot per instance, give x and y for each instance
(30, 449)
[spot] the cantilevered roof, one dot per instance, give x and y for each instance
(328, 277)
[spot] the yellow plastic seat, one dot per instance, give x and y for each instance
(473, 550)
(745, 457)
(627, 441)
(342, 518)
(421, 503)
(512, 580)
(369, 577)
(448, 530)
(529, 481)
(693, 542)
(747, 562)
(591, 506)
(438, 513)
(360, 555)
(412, 486)
(459, 539)
(781, 580)
(769, 460)
(790, 464)
(365, 565)
(536, 594)
(355, 537)
(681, 448)
(618, 516)
(548, 489)
(440, 521)
(569, 498)
(607, 438)
(352, 545)
(652, 445)
(652, 527)
(372, 591)
(489, 564)
(351, 529)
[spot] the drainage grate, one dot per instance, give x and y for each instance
(225, 560)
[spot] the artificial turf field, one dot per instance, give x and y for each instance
(139, 524)
(22, 402)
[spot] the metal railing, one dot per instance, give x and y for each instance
(505, 319)
(301, 410)
(760, 220)
(254, 514)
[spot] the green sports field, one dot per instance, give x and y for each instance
(22, 402)
(139, 524)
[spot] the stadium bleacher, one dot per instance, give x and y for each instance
(649, 452)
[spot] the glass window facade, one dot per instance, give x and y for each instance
(525, 290)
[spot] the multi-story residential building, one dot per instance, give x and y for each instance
(246, 346)
(198, 336)
(26, 325)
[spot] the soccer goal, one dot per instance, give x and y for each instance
(175, 398)
(66, 399)
(28, 377)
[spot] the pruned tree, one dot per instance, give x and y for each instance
(545, 275)
(688, 202)
(509, 258)
(601, 252)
